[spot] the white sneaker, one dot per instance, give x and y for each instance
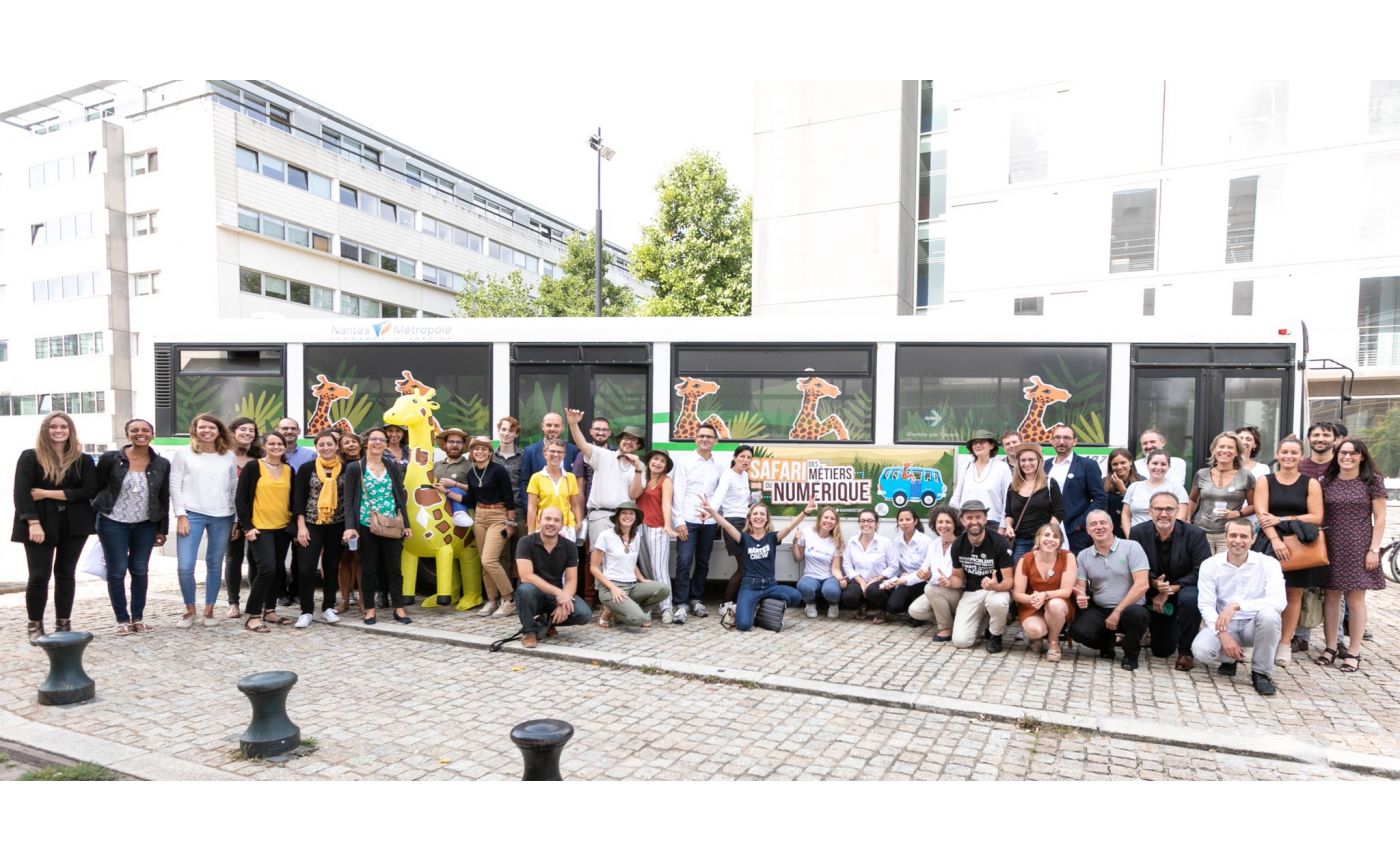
(667, 616)
(1284, 657)
(726, 614)
(698, 609)
(211, 621)
(303, 621)
(490, 607)
(507, 609)
(679, 617)
(462, 519)
(833, 611)
(329, 616)
(810, 610)
(186, 621)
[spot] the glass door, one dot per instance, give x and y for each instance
(1254, 398)
(1166, 400)
(612, 381)
(1189, 406)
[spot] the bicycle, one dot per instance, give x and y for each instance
(1390, 560)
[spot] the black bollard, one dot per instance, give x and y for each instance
(271, 732)
(541, 742)
(67, 683)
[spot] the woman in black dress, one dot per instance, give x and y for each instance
(1032, 500)
(1287, 494)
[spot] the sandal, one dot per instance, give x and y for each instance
(255, 625)
(123, 629)
(1329, 656)
(274, 618)
(1053, 655)
(877, 618)
(605, 618)
(233, 611)
(141, 627)
(1349, 669)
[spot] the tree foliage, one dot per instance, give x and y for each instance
(495, 297)
(699, 249)
(568, 295)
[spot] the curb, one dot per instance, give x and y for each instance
(1261, 745)
(120, 758)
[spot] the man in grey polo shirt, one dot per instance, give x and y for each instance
(1115, 572)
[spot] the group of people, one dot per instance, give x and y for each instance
(1110, 561)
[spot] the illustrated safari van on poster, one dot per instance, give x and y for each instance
(899, 484)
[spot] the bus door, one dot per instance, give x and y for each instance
(1191, 393)
(611, 380)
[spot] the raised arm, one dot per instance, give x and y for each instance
(797, 520)
(576, 433)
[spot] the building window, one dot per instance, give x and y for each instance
(933, 108)
(1032, 306)
(384, 260)
(254, 107)
(274, 287)
(282, 171)
(1132, 243)
(1243, 303)
(145, 284)
(520, 259)
(65, 345)
(143, 224)
(287, 231)
(145, 162)
(245, 158)
(451, 233)
(350, 148)
(360, 306)
(1239, 226)
(765, 405)
(1149, 301)
(944, 393)
(933, 181)
(1384, 106)
(1378, 322)
(1029, 144)
(66, 287)
(443, 277)
(931, 265)
(1261, 117)
(1380, 206)
(62, 229)
(430, 182)
(500, 209)
(62, 169)
(73, 402)
(4, 350)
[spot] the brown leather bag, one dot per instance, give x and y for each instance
(384, 526)
(1303, 556)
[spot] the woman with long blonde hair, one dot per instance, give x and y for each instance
(1032, 501)
(203, 479)
(54, 486)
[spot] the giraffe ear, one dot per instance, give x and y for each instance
(803, 381)
(322, 377)
(1036, 380)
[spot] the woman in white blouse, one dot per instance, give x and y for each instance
(819, 550)
(203, 479)
(895, 592)
(1140, 493)
(868, 559)
(985, 479)
(939, 601)
(626, 594)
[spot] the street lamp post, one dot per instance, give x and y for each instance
(596, 142)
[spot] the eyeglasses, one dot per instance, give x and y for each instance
(1348, 453)
(1164, 510)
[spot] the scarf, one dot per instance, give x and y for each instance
(327, 471)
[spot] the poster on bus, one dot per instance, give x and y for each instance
(887, 479)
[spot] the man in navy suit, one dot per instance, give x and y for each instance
(532, 459)
(1081, 486)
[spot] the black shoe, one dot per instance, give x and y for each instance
(1227, 669)
(1263, 684)
(1129, 663)
(993, 645)
(1366, 635)
(285, 601)
(402, 619)
(1106, 653)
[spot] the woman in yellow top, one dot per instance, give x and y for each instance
(263, 503)
(553, 487)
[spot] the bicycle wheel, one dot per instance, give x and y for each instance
(1390, 561)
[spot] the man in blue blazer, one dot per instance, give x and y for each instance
(532, 458)
(1081, 486)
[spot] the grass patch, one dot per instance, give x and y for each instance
(1034, 726)
(4, 757)
(309, 743)
(80, 772)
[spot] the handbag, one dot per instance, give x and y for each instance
(1310, 613)
(770, 614)
(385, 526)
(1302, 556)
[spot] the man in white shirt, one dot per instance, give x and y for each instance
(617, 475)
(696, 475)
(1152, 440)
(1241, 596)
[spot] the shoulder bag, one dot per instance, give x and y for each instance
(770, 614)
(1303, 556)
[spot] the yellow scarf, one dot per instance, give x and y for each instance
(328, 471)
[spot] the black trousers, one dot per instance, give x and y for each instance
(379, 567)
(56, 558)
(852, 596)
(1176, 632)
(324, 547)
(233, 568)
(269, 553)
(894, 600)
(1089, 628)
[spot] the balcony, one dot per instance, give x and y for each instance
(1378, 345)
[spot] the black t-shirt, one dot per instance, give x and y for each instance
(549, 566)
(978, 562)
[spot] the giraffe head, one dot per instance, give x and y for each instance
(689, 387)
(413, 410)
(327, 390)
(409, 385)
(1044, 392)
(816, 388)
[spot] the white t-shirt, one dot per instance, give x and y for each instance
(612, 479)
(989, 488)
(1176, 470)
(1138, 499)
(817, 553)
(619, 564)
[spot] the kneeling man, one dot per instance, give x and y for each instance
(1241, 597)
(548, 568)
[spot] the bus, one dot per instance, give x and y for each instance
(855, 413)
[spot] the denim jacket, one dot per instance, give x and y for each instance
(111, 471)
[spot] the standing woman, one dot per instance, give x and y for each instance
(1121, 475)
(351, 451)
(655, 505)
(318, 498)
(54, 486)
(731, 499)
(870, 558)
(894, 593)
(1138, 500)
(245, 450)
(985, 478)
(1044, 591)
(133, 516)
(760, 545)
(1353, 501)
(553, 487)
(818, 550)
(1222, 492)
(492, 502)
(395, 450)
(375, 486)
(1032, 501)
(1249, 446)
(1284, 496)
(264, 505)
(202, 484)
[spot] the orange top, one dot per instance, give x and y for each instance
(1035, 582)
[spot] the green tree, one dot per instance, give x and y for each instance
(495, 297)
(699, 249)
(572, 293)
(1383, 438)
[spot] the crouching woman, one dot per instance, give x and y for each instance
(759, 545)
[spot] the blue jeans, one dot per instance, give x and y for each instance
(699, 541)
(530, 601)
(1020, 548)
(187, 550)
(809, 586)
(751, 591)
(127, 547)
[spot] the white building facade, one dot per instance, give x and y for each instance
(1090, 202)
